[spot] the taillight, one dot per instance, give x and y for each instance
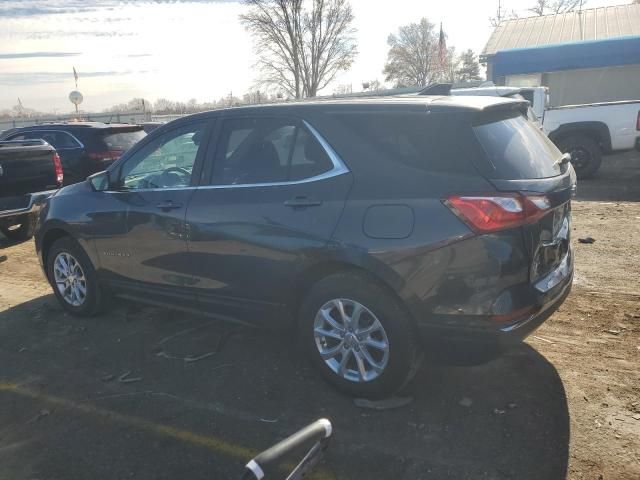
(105, 155)
(57, 167)
(491, 213)
(638, 122)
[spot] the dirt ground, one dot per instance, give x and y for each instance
(145, 393)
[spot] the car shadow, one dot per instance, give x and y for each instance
(6, 243)
(74, 414)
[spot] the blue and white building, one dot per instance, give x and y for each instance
(585, 56)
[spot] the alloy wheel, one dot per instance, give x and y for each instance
(351, 340)
(70, 279)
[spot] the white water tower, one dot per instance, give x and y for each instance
(76, 98)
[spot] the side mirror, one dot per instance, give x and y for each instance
(100, 181)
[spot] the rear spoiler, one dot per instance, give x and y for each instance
(123, 129)
(498, 111)
(437, 89)
(521, 105)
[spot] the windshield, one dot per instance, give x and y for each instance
(516, 149)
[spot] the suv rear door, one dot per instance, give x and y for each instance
(520, 158)
(276, 192)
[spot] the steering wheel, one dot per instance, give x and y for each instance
(180, 170)
(174, 176)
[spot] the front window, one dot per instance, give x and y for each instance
(166, 162)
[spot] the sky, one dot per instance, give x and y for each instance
(179, 49)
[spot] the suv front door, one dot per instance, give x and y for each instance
(156, 182)
(276, 193)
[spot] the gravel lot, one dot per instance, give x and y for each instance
(145, 393)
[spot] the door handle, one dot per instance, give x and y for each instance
(301, 202)
(168, 205)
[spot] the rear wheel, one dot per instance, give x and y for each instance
(586, 155)
(357, 336)
(73, 278)
(21, 230)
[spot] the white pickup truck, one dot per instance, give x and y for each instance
(587, 132)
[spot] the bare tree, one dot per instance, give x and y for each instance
(449, 68)
(302, 44)
(413, 58)
(502, 14)
(371, 85)
(133, 105)
(546, 7)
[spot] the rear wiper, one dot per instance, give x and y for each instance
(564, 159)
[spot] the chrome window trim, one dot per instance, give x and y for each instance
(38, 130)
(339, 168)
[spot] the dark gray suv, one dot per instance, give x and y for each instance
(374, 227)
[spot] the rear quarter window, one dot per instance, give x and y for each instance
(435, 142)
(515, 149)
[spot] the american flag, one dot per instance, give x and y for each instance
(442, 46)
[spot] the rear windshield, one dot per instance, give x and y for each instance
(122, 141)
(516, 149)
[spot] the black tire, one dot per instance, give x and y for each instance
(586, 155)
(20, 231)
(93, 300)
(403, 358)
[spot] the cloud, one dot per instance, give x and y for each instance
(138, 55)
(30, 78)
(30, 8)
(43, 35)
(5, 56)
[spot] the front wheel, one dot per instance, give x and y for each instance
(358, 336)
(73, 278)
(586, 155)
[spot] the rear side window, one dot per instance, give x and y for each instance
(58, 140)
(267, 150)
(121, 141)
(516, 149)
(433, 142)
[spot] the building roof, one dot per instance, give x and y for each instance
(588, 25)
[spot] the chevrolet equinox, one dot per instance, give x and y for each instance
(376, 228)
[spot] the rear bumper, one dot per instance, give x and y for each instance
(485, 334)
(33, 203)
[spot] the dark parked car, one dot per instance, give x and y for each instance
(29, 170)
(374, 227)
(84, 147)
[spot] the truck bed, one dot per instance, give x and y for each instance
(26, 167)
